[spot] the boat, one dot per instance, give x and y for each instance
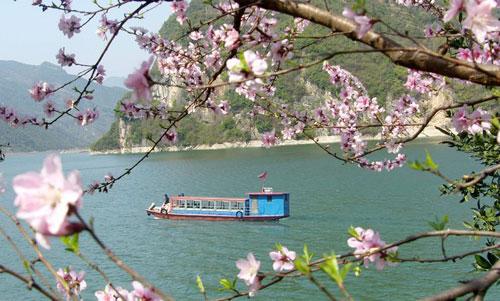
(264, 205)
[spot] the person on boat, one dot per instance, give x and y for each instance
(166, 200)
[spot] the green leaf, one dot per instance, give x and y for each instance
(226, 285)
(331, 267)
(243, 62)
(200, 285)
(416, 165)
(307, 256)
(71, 242)
(302, 266)
(429, 162)
(353, 233)
(27, 266)
(439, 224)
(482, 262)
(345, 270)
(492, 258)
(495, 122)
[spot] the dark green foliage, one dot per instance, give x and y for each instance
(109, 140)
(486, 193)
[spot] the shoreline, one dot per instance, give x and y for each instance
(428, 133)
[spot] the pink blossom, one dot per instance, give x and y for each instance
(363, 23)
(432, 30)
(141, 293)
(269, 139)
(66, 4)
(139, 81)
(301, 24)
(243, 69)
(281, 50)
(283, 259)
(109, 178)
(195, 35)
(479, 121)
(365, 243)
(455, 7)
(45, 199)
(69, 26)
(474, 123)
(110, 294)
(65, 59)
(170, 136)
(460, 119)
(480, 19)
(227, 6)
(100, 73)
(87, 117)
(75, 282)
(49, 108)
(41, 90)
(107, 25)
(231, 38)
(179, 7)
(249, 270)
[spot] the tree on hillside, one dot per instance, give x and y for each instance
(248, 46)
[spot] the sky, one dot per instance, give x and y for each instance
(30, 36)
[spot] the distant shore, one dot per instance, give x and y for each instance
(428, 133)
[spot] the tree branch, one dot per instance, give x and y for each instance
(478, 286)
(418, 59)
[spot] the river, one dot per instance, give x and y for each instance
(326, 198)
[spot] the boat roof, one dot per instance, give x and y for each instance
(201, 198)
(266, 193)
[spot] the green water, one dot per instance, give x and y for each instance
(326, 198)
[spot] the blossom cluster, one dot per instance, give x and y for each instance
(75, 282)
(139, 293)
(47, 199)
(423, 82)
(249, 267)
(367, 245)
(13, 119)
(476, 122)
(70, 283)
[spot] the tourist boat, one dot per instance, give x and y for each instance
(256, 206)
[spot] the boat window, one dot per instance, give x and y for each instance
(211, 204)
(196, 204)
(241, 205)
(204, 204)
(181, 203)
(225, 205)
(189, 204)
(218, 205)
(234, 205)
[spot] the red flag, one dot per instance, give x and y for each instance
(263, 176)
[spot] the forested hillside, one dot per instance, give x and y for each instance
(300, 90)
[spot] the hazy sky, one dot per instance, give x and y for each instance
(29, 36)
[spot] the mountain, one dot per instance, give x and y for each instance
(301, 90)
(15, 81)
(114, 81)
